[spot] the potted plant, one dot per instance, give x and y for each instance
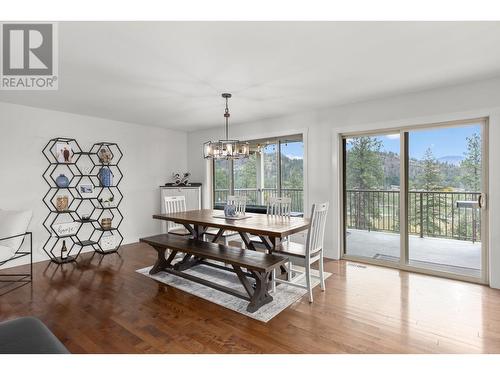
(106, 202)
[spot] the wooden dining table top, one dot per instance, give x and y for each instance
(253, 223)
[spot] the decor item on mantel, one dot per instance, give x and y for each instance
(181, 181)
(226, 148)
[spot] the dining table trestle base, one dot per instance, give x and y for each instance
(255, 279)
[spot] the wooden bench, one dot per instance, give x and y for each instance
(259, 266)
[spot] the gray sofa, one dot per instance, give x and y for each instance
(28, 336)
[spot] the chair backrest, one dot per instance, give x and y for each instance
(174, 204)
(316, 232)
(279, 206)
(240, 202)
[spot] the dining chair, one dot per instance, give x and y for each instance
(240, 203)
(279, 206)
(174, 204)
(309, 253)
(276, 206)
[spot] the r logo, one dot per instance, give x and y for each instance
(27, 49)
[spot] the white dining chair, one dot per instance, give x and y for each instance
(240, 203)
(309, 253)
(278, 207)
(174, 204)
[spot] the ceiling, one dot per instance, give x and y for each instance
(171, 74)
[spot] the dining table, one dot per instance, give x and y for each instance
(270, 229)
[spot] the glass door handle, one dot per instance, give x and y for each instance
(481, 200)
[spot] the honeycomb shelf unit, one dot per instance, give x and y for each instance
(87, 195)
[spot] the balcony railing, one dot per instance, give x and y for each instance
(430, 213)
(261, 196)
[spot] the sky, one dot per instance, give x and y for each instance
(294, 150)
(442, 141)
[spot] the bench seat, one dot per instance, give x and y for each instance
(259, 266)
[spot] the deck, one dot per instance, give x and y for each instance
(448, 255)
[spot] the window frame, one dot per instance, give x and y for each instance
(279, 141)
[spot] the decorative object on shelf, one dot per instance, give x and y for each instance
(105, 155)
(230, 210)
(90, 179)
(181, 181)
(108, 242)
(66, 229)
(64, 251)
(86, 190)
(176, 178)
(62, 181)
(107, 202)
(226, 148)
(105, 177)
(106, 223)
(62, 203)
(64, 153)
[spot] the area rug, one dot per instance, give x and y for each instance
(285, 295)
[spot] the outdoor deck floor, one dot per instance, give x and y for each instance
(462, 257)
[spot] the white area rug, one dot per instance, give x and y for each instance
(285, 295)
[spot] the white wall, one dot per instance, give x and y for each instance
(150, 156)
(323, 126)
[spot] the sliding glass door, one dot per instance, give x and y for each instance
(434, 178)
(372, 196)
(445, 185)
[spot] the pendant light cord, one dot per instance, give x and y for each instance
(226, 115)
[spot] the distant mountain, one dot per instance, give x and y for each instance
(451, 159)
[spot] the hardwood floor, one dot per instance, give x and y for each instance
(102, 305)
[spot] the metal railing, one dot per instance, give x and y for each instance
(261, 196)
(430, 213)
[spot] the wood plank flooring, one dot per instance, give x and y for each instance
(101, 305)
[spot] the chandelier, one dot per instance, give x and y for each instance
(226, 148)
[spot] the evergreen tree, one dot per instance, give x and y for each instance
(364, 172)
(427, 213)
(471, 165)
(430, 178)
(364, 165)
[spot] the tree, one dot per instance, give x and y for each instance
(471, 165)
(430, 178)
(427, 207)
(364, 165)
(364, 172)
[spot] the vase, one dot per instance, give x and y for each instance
(105, 177)
(106, 223)
(62, 181)
(62, 202)
(230, 210)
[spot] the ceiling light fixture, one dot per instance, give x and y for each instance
(226, 148)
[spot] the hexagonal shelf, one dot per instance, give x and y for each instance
(69, 204)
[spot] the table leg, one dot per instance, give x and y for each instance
(218, 235)
(249, 245)
(261, 294)
(191, 230)
(162, 263)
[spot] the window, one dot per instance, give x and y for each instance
(275, 168)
